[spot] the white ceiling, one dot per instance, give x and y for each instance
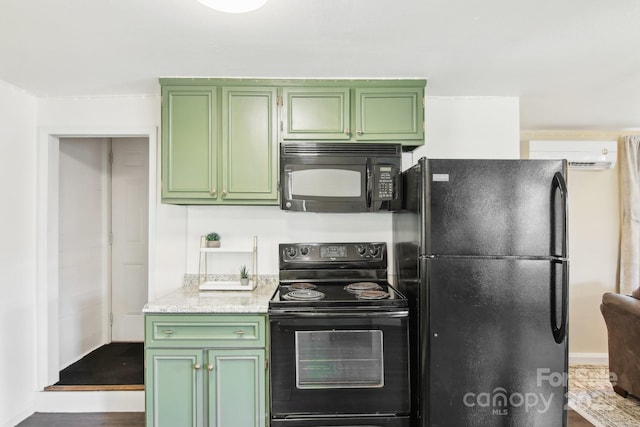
(575, 64)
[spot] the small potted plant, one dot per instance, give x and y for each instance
(244, 276)
(213, 240)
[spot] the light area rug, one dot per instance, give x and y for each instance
(591, 396)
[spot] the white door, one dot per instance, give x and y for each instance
(129, 222)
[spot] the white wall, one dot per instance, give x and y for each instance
(471, 128)
(594, 239)
(237, 225)
(84, 246)
(17, 254)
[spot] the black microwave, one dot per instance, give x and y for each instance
(340, 177)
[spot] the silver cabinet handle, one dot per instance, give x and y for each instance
(213, 192)
(224, 193)
(168, 331)
(239, 333)
(196, 366)
(210, 367)
(359, 131)
(347, 131)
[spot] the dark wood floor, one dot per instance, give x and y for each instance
(136, 419)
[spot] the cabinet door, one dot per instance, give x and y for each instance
(174, 388)
(389, 114)
(316, 113)
(249, 146)
(237, 390)
(189, 142)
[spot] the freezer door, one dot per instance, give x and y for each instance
(494, 207)
(497, 343)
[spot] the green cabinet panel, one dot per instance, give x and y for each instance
(183, 330)
(373, 112)
(316, 113)
(200, 371)
(389, 114)
(249, 144)
(237, 388)
(219, 145)
(189, 142)
(174, 387)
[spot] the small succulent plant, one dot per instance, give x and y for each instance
(244, 273)
(212, 237)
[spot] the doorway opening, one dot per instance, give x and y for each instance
(96, 216)
(103, 223)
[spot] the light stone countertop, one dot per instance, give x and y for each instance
(189, 299)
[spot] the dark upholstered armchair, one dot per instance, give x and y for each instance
(622, 315)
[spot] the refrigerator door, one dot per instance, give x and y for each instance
(493, 207)
(497, 342)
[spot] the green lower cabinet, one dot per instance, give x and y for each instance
(236, 388)
(205, 370)
(174, 388)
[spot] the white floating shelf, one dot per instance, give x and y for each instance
(227, 285)
(225, 250)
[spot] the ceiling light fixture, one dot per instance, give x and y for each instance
(234, 6)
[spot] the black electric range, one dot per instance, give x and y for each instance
(334, 276)
(339, 339)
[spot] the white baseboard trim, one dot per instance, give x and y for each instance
(90, 401)
(588, 358)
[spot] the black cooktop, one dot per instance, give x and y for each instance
(334, 296)
(334, 276)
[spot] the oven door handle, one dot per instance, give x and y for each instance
(314, 314)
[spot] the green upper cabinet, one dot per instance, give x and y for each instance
(220, 136)
(219, 145)
(389, 114)
(371, 111)
(189, 142)
(249, 145)
(316, 113)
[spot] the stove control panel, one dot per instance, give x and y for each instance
(333, 252)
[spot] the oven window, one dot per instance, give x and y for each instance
(339, 359)
(319, 182)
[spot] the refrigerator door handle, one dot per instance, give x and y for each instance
(558, 178)
(560, 331)
(369, 184)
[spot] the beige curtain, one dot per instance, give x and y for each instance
(630, 193)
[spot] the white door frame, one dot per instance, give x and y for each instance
(47, 262)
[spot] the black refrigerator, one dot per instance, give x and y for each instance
(480, 250)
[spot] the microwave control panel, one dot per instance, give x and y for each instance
(384, 184)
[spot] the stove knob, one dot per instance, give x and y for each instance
(361, 250)
(374, 250)
(291, 252)
(304, 251)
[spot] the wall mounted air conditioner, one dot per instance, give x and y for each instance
(585, 155)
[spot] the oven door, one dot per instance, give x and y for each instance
(334, 364)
